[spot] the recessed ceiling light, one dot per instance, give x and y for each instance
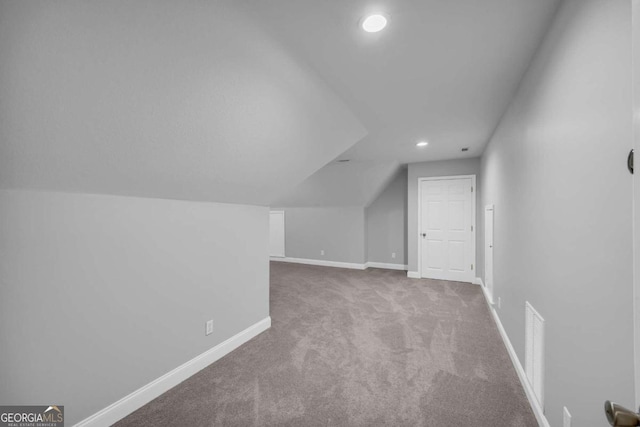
(374, 23)
(422, 144)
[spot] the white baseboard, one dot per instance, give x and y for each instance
(321, 262)
(533, 401)
(386, 266)
(339, 264)
(416, 275)
(147, 393)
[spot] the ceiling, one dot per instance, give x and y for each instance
(252, 101)
(441, 71)
(356, 183)
(159, 98)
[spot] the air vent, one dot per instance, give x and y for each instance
(465, 149)
(344, 160)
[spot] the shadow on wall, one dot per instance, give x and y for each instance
(387, 223)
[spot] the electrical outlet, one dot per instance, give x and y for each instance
(209, 327)
(393, 255)
(321, 251)
(566, 417)
(499, 302)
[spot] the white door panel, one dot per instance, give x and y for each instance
(434, 188)
(457, 258)
(458, 220)
(446, 237)
(435, 249)
(434, 216)
(456, 187)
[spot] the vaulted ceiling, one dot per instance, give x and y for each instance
(251, 101)
(441, 71)
(169, 99)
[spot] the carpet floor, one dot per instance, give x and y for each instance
(356, 348)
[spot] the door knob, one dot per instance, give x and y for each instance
(619, 416)
(424, 235)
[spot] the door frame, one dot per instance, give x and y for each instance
(473, 217)
(284, 229)
(635, 57)
(490, 291)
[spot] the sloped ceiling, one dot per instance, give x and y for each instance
(251, 101)
(163, 98)
(442, 71)
(354, 183)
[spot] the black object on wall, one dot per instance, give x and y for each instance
(630, 161)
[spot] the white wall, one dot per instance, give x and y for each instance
(339, 231)
(352, 234)
(389, 224)
(433, 169)
(100, 295)
(555, 170)
(386, 220)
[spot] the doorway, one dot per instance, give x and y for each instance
(635, 5)
(488, 250)
(446, 215)
(276, 234)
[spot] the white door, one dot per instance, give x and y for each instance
(446, 229)
(488, 250)
(276, 234)
(636, 188)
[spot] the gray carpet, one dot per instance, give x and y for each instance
(356, 348)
